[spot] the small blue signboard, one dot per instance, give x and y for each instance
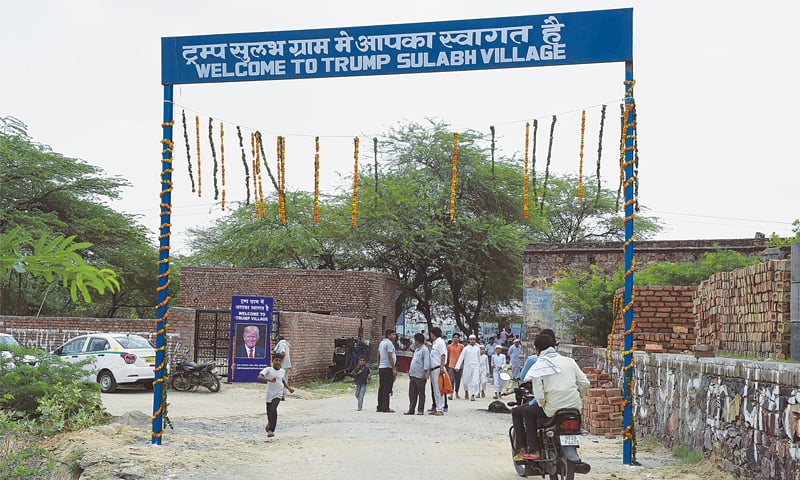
(478, 44)
(249, 349)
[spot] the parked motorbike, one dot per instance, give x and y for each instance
(559, 440)
(190, 375)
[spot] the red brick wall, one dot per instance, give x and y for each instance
(747, 310)
(48, 333)
(336, 292)
(311, 336)
(664, 316)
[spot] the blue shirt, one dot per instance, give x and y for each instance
(420, 363)
(528, 364)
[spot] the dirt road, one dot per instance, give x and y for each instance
(221, 436)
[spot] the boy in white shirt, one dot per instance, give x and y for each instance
(275, 378)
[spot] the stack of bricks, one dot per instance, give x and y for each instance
(602, 406)
(665, 320)
(746, 310)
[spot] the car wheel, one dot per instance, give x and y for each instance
(107, 382)
(148, 385)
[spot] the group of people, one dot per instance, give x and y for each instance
(470, 365)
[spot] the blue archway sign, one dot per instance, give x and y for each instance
(600, 36)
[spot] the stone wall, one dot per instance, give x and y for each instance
(745, 414)
(665, 320)
(747, 310)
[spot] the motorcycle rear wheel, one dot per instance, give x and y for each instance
(180, 383)
(210, 381)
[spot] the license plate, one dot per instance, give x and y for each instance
(570, 440)
(149, 359)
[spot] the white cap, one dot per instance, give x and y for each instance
(473, 336)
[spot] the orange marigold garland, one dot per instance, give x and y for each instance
(580, 167)
(222, 160)
(354, 212)
(316, 180)
(197, 139)
(282, 181)
(453, 181)
(525, 178)
(213, 156)
(244, 163)
(188, 150)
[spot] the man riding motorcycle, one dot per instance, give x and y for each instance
(557, 383)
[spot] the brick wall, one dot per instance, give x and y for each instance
(48, 333)
(311, 336)
(746, 310)
(664, 316)
(335, 292)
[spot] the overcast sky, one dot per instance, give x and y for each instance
(716, 96)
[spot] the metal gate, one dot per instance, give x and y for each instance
(212, 331)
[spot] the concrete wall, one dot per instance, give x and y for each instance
(744, 413)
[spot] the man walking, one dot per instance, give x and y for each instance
(469, 363)
(282, 348)
(514, 357)
(453, 353)
(438, 361)
(387, 372)
(418, 375)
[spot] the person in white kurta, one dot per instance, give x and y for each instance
(484, 370)
(498, 365)
(470, 360)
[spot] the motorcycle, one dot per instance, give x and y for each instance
(559, 439)
(190, 375)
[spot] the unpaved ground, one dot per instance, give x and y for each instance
(221, 436)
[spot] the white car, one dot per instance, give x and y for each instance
(115, 358)
(9, 343)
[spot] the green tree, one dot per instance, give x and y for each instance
(564, 219)
(50, 195)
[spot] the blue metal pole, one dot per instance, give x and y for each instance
(159, 387)
(629, 265)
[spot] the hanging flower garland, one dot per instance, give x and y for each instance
(547, 166)
(533, 160)
(197, 142)
(244, 163)
(316, 180)
(266, 165)
(260, 208)
(621, 153)
(453, 181)
(282, 175)
(600, 153)
(222, 160)
(580, 167)
(188, 150)
(525, 178)
(213, 156)
(354, 209)
(375, 156)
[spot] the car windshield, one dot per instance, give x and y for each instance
(133, 341)
(9, 342)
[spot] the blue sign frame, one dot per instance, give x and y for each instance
(249, 315)
(599, 36)
(478, 44)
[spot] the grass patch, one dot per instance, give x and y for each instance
(687, 455)
(648, 445)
